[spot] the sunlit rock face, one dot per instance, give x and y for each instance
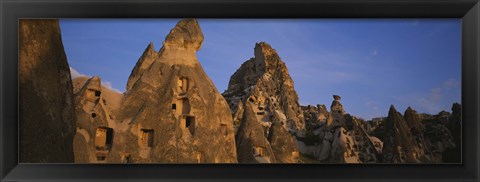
(96, 109)
(46, 111)
(170, 113)
(264, 83)
(252, 145)
(175, 113)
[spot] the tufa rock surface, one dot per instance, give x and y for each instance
(96, 108)
(252, 145)
(170, 113)
(264, 83)
(399, 143)
(340, 138)
(46, 106)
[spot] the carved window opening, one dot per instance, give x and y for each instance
(146, 138)
(126, 158)
(97, 93)
(258, 151)
(182, 85)
(198, 158)
(103, 138)
(181, 106)
(189, 122)
(261, 113)
(224, 129)
(94, 115)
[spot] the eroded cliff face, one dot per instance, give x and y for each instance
(399, 143)
(263, 83)
(46, 106)
(264, 80)
(337, 137)
(96, 110)
(410, 139)
(171, 111)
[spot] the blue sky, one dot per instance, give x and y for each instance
(371, 63)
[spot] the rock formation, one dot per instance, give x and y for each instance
(171, 111)
(399, 144)
(413, 120)
(252, 145)
(96, 108)
(410, 139)
(46, 106)
(263, 83)
(340, 138)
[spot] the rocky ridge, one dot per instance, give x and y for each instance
(263, 87)
(338, 137)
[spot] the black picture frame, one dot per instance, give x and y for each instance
(467, 10)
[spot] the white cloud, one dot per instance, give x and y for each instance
(76, 74)
(106, 84)
(451, 84)
(431, 102)
(415, 22)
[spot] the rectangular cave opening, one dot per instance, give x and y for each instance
(182, 85)
(174, 106)
(146, 138)
(126, 158)
(97, 93)
(190, 124)
(103, 138)
(258, 151)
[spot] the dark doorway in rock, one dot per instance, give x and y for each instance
(94, 115)
(146, 138)
(126, 158)
(97, 93)
(182, 85)
(190, 124)
(103, 138)
(174, 107)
